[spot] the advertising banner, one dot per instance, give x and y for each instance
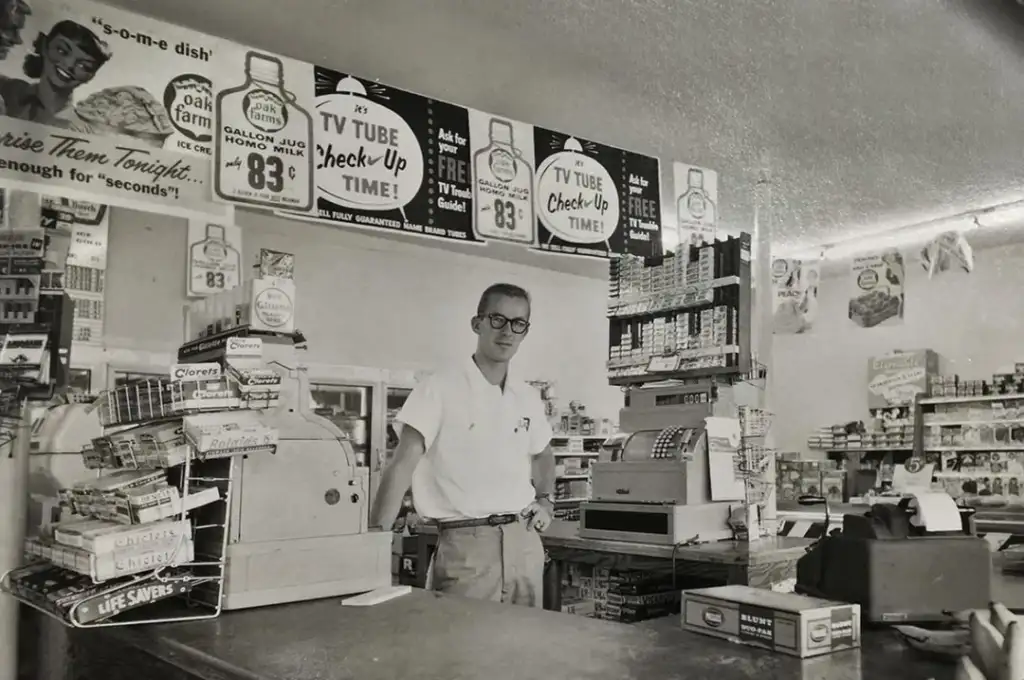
(263, 147)
(390, 159)
(878, 289)
(794, 295)
(214, 257)
(696, 192)
(102, 103)
(594, 199)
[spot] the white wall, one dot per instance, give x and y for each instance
(974, 321)
(380, 302)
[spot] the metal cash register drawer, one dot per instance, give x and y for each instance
(651, 523)
(649, 481)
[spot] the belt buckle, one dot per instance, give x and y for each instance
(495, 520)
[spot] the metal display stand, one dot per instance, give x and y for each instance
(196, 584)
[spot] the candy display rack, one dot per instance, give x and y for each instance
(161, 494)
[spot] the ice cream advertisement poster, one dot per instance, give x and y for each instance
(877, 289)
(390, 159)
(794, 295)
(97, 101)
(595, 200)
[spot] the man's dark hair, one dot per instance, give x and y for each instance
(496, 290)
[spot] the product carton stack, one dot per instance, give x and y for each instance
(626, 596)
(796, 477)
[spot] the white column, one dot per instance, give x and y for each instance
(14, 466)
(761, 318)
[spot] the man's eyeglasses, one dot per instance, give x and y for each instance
(499, 321)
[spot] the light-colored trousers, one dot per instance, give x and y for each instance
(501, 564)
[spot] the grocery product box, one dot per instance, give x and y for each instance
(781, 622)
(895, 379)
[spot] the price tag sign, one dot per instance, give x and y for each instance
(263, 147)
(214, 257)
(664, 364)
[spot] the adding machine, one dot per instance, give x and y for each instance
(916, 561)
(656, 487)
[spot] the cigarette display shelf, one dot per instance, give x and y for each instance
(672, 318)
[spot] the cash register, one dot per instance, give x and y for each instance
(914, 561)
(654, 487)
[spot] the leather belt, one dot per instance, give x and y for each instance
(492, 521)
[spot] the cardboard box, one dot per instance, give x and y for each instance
(781, 622)
(895, 379)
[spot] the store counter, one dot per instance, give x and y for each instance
(436, 637)
(769, 561)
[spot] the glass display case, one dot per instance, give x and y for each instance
(350, 408)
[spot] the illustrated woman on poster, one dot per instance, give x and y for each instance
(62, 60)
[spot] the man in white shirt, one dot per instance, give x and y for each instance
(475, 448)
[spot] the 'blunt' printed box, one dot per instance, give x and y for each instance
(782, 622)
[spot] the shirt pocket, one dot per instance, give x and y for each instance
(517, 428)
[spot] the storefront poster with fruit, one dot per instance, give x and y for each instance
(390, 159)
(100, 102)
(595, 200)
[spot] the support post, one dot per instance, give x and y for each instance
(762, 324)
(14, 468)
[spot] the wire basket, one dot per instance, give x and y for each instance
(158, 399)
(753, 463)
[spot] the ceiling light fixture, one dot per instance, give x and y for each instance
(1005, 215)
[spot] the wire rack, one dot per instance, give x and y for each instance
(154, 399)
(191, 589)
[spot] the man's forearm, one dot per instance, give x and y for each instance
(543, 470)
(394, 482)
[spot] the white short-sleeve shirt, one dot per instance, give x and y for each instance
(480, 441)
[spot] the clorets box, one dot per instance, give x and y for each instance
(895, 380)
(782, 622)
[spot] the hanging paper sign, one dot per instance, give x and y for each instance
(794, 295)
(263, 144)
(948, 251)
(584, 201)
(214, 257)
(390, 159)
(878, 289)
(503, 168)
(696, 203)
(102, 102)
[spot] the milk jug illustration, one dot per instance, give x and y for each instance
(503, 188)
(696, 209)
(216, 265)
(264, 144)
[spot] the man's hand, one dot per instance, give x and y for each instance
(998, 647)
(538, 515)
